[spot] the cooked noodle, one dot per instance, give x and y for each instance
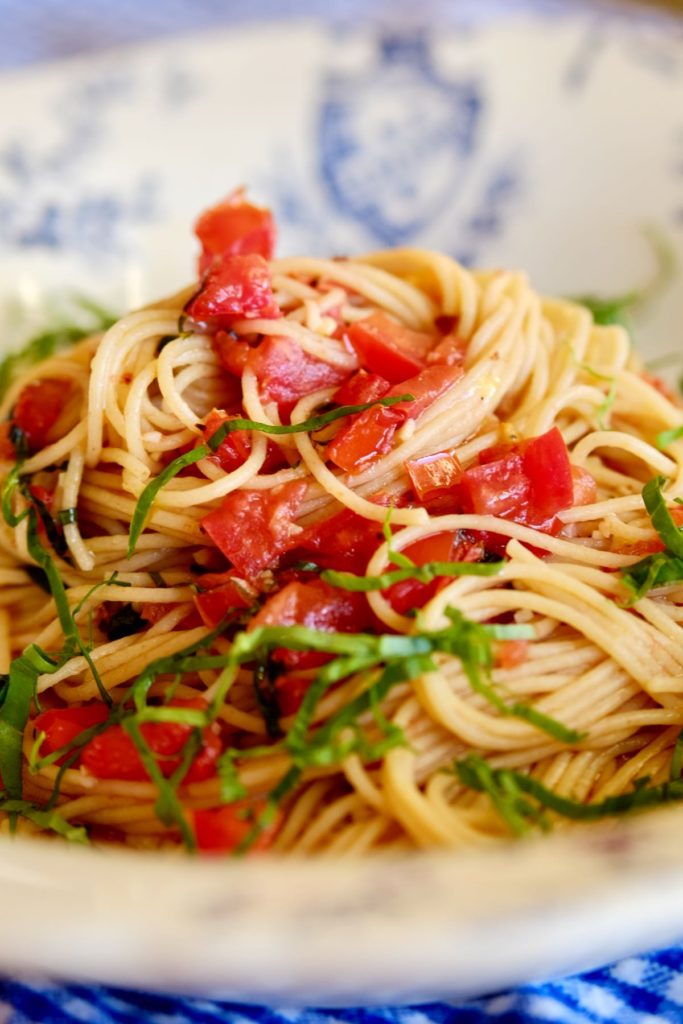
(610, 670)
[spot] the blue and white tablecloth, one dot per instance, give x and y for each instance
(642, 990)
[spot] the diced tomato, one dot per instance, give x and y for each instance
(529, 482)
(253, 528)
(64, 725)
(408, 595)
(344, 542)
(317, 605)
(234, 227)
(450, 351)
(213, 605)
(232, 351)
(7, 450)
(222, 829)
(433, 475)
(235, 288)
(290, 690)
(113, 755)
(38, 408)
(360, 388)
(511, 653)
(370, 434)
(585, 489)
(430, 384)
(386, 347)
(286, 373)
(235, 448)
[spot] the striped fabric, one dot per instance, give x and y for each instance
(640, 990)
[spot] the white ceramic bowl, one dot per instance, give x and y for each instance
(542, 135)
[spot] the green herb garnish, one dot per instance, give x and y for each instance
(667, 437)
(521, 799)
(44, 345)
(214, 442)
(426, 573)
(664, 566)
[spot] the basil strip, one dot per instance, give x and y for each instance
(667, 437)
(509, 790)
(150, 492)
(423, 573)
(664, 566)
(662, 520)
(46, 819)
(21, 688)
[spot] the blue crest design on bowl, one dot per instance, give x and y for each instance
(396, 140)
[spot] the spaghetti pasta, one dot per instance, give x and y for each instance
(339, 556)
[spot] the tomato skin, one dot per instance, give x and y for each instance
(585, 489)
(232, 351)
(412, 594)
(511, 653)
(360, 388)
(234, 227)
(222, 829)
(113, 755)
(253, 528)
(290, 690)
(234, 288)
(344, 542)
(235, 448)
(370, 434)
(450, 351)
(317, 605)
(434, 475)
(386, 347)
(38, 408)
(528, 482)
(63, 725)
(286, 373)
(214, 604)
(7, 450)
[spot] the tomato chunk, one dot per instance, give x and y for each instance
(64, 725)
(235, 288)
(215, 603)
(7, 450)
(408, 595)
(433, 475)
(344, 542)
(234, 227)
(113, 755)
(317, 605)
(235, 448)
(360, 388)
(529, 482)
(386, 347)
(370, 434)
(222, 829)
(253, 528)
(290, 690)
(38, 408)
(286, 373)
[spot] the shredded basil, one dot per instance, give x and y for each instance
(423, 573)
(521, 799)
(214, 442)
(664, 566)
(67, 516)
(667, 437)
(59, 337)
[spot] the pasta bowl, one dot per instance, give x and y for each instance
(559, 172)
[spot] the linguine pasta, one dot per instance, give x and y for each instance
(539, 678)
